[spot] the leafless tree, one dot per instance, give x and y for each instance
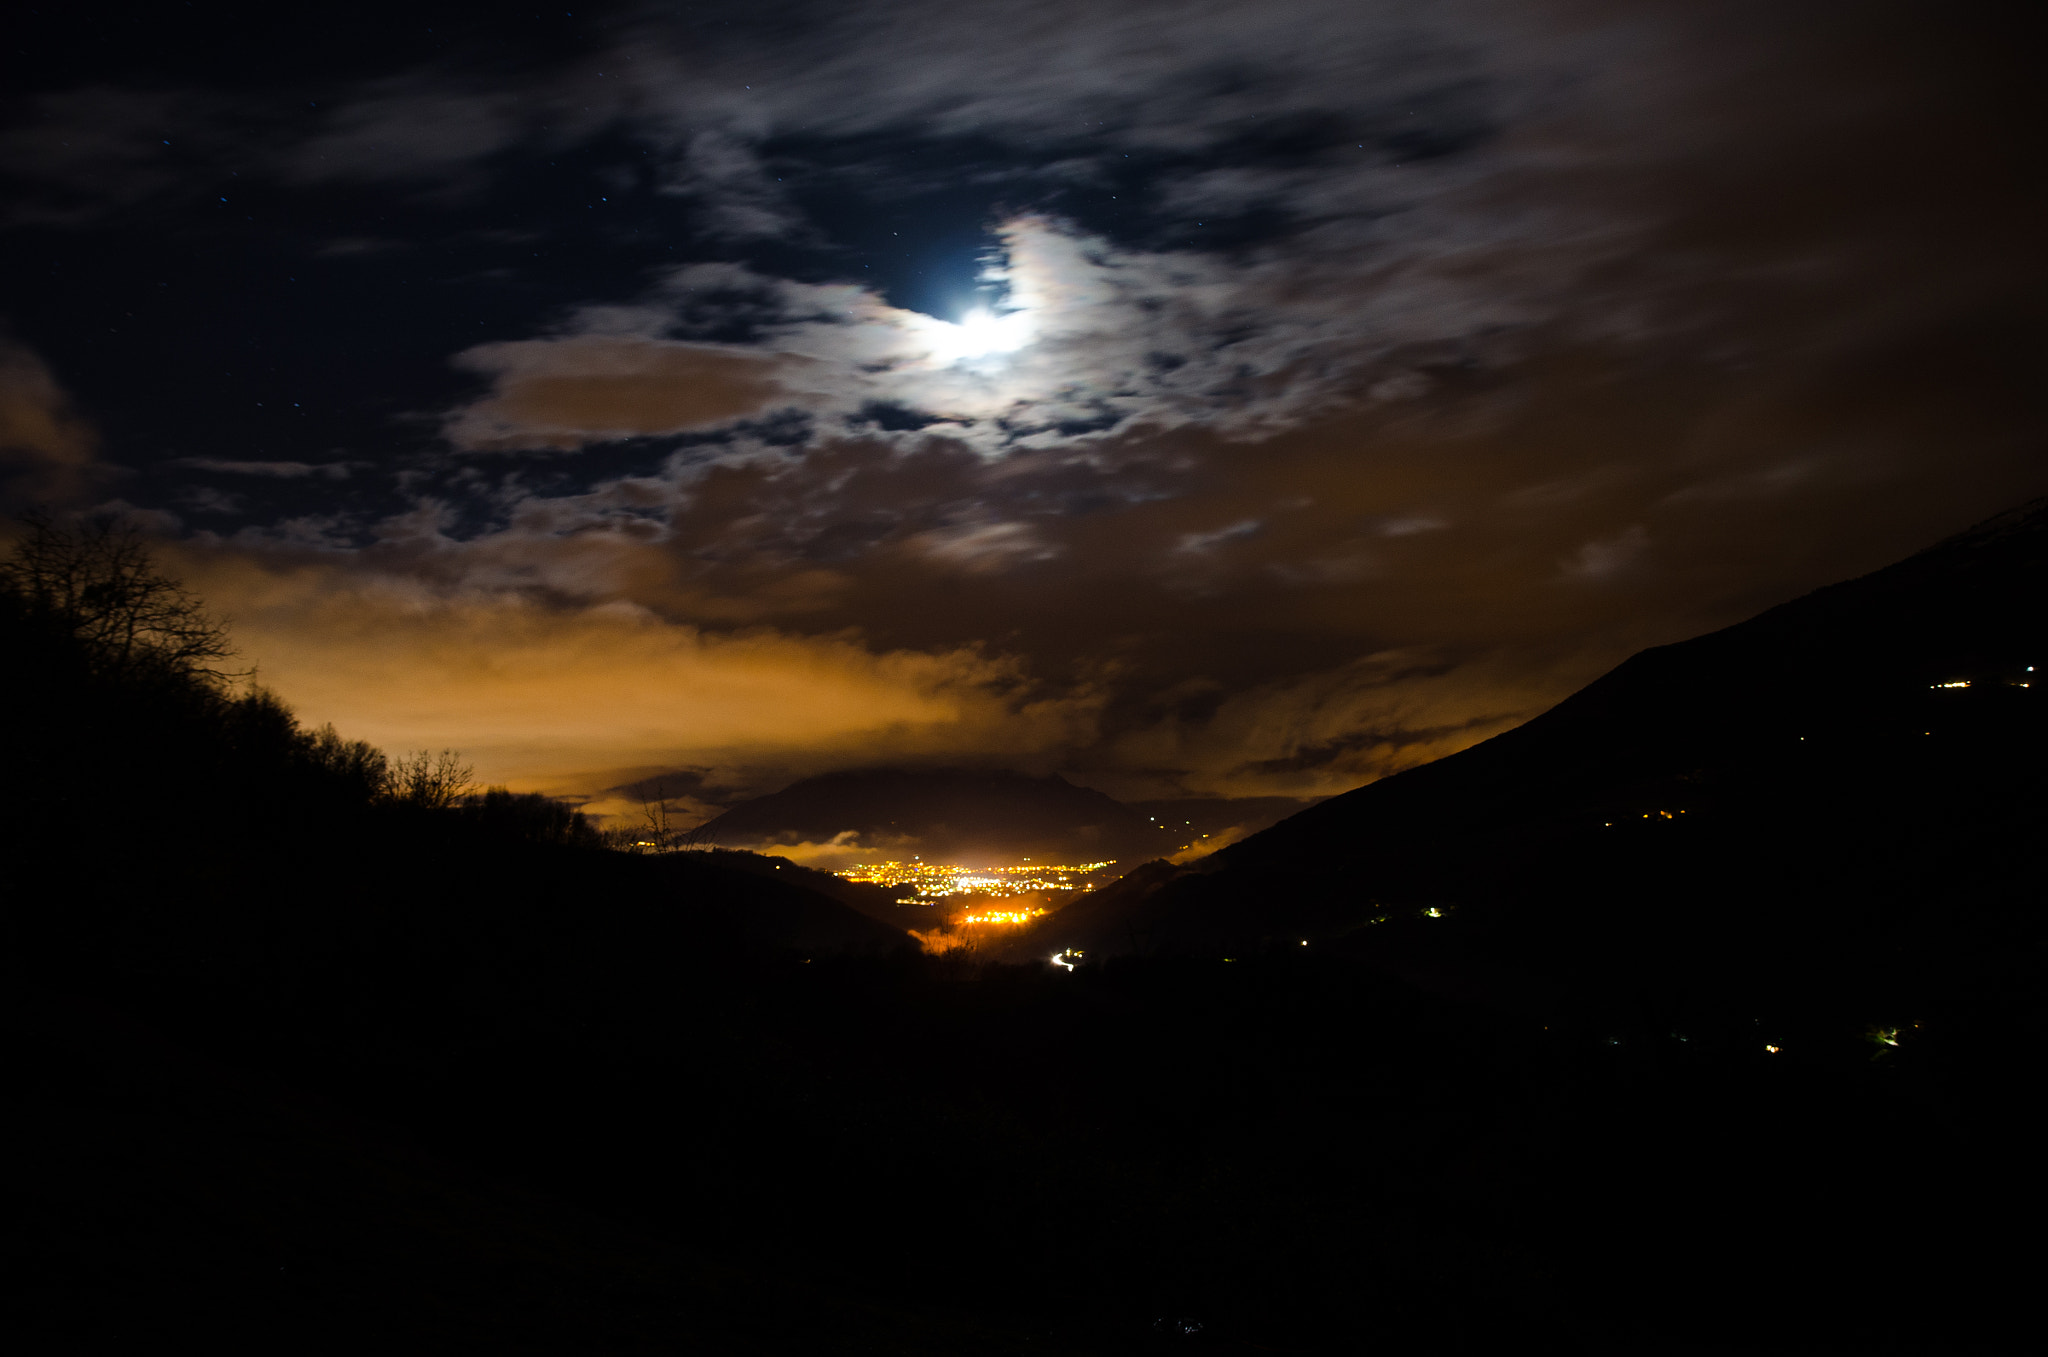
(97, 579)
(429, 780)
(625, 839)
(654, 809)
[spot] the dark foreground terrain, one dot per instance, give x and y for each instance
(302, 1061)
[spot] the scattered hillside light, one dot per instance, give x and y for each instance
(1955, 683)
(1772, 1049)
(1432, 913)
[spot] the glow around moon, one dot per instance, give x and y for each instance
(980, 334)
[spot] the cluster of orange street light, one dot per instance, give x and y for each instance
(932, 882)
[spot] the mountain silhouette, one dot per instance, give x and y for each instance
(952, 814)
(1840, 796)
(308, 1065)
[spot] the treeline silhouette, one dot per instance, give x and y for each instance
(318, 1053)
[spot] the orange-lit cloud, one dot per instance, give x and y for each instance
(565, 393)
(48, 453)
(839, 852)
(1426, 365)
(537, 696)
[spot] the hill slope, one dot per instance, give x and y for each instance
(1805, 799)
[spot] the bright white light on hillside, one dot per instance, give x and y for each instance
(980, 334)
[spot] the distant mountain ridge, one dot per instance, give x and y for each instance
(1842, 787)
(955, 814)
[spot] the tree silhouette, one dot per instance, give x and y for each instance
(654, 809)
(356, 764)
(429, 780)
(97, 581)
(531, 817)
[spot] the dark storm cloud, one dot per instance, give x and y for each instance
(1357, 379)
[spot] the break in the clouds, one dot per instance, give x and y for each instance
(1086, 340)
(1198, 398)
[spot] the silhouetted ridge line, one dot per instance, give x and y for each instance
(942, 813)
(1795, 787)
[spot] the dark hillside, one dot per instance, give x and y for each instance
(877, 902)
(1793, 806)
(304, 1061)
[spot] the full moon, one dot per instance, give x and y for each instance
(980, 334)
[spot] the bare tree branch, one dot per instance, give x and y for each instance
(98, 580)
(429, 780)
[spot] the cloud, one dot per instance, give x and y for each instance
(988, 546)
(843, 850)
(1610, 557)
(1107, 340)
(1320, 733)
(80, 155)
(204, 499)
(532, 693)
(1348, 347)
(409, 128)
(1407, 525)
(333, 471)
(737, 197)
(566, 393)
(1202, 543)
(48, 452)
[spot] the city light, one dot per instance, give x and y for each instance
(931, 882)
(1001, 916)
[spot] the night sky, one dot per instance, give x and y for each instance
(1238, 399)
